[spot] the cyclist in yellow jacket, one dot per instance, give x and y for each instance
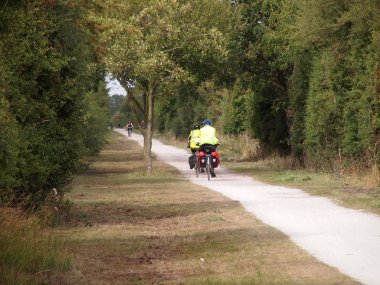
(208, 135)
(209, 140)
(194, 138)
(193, 144)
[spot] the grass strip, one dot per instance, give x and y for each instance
(128, 228)
(347, 191)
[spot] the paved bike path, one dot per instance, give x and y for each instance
(343, 238)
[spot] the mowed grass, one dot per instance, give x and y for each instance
(128, 228)
(351, 191)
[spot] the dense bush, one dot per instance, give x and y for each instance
(52, 100)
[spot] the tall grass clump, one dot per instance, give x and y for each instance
(28, 253)
(241, 147)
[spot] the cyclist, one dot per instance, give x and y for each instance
(129, 127)
(193, 143)
(209, 140)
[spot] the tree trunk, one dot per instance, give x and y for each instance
(146, 125)
(149, 133)
(147, 128)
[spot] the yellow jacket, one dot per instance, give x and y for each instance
(208, 135)
(194, 138)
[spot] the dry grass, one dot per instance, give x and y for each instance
(238, 148)
(170, 139)
(29, 253)
(131, 229)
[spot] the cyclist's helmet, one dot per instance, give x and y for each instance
(196, 126)
(207, 122)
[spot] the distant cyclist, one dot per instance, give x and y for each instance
(130, 128)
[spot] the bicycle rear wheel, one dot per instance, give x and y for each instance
(208, 168)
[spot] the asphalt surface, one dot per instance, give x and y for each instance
(343, 238)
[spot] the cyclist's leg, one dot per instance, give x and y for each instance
(213, 148)
(212, 172)
(193, 159)
(201, 148)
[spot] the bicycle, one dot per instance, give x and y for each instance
(208, 160)
(129, 132)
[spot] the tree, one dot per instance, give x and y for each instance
(155, 46)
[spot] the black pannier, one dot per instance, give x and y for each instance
(203, 161)
(192, 161)
(214, 162)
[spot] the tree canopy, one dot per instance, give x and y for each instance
(155, 47)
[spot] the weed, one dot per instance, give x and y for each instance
(290, 179)
(215, 218)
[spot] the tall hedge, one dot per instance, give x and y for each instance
(49, 100)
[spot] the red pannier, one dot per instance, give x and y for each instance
(216, 163)
(214, 159)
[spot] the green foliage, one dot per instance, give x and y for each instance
(96, 123)
(313, 69)
(340, 110)
(322, 108)
(298, 89)
(236, 110)
(258, 44)
(9, 150)
(160, 42)
(117, 116)
(177, 114)
(50, 100)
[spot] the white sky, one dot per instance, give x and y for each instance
(114, 87)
